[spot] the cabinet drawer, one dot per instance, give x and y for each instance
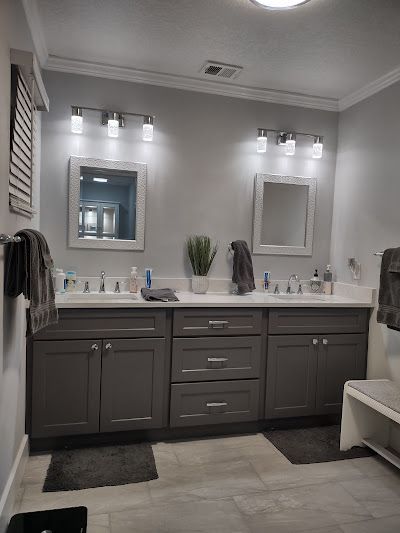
(210, 359)
(210, 322)
(218, 402)
(317, 320)
(110, 323)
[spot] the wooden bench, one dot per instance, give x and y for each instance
(369, 409)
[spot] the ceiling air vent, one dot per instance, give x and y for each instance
(221, 70)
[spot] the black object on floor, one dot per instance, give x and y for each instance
(87, 468)
(313, 445)
(69, 520)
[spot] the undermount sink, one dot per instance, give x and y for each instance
(302, 297)
(99, 296)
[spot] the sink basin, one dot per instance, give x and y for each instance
(99, 297)
(301, 297)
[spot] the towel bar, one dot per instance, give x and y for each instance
(379, 254)
(5, 239)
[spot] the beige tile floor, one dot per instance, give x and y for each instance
(240, 484)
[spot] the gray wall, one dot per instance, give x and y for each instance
(366, 207)
(201, 169)
(14, 33)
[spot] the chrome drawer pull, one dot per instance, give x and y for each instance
(216, 404)
(217, 359)
(216, 324)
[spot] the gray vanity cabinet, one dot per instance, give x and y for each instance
(132, 384)
(340, 358)
(291, 376)
(66, 387)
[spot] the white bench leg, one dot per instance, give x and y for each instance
(360, 421)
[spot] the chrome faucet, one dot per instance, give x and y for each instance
(102, 279)
(293, 277)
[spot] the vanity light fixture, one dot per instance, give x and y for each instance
(76, 120)
(287, 139)
(279, 4)
(113, 120)
(148, 128)
(318, 147)
(261, 141)
(290, 144)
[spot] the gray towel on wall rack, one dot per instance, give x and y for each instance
(28, 271)
(243, 274)
(389, 289)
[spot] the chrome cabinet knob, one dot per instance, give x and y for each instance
(108, 346)
(315, 342)
(94, 347)
(325, 341)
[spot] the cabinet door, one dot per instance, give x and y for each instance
(65, 387)
(291, 375)
(132, 384)
(340, 358)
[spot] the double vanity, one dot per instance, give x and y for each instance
(116, 363)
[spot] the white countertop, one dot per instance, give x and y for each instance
(211, 299)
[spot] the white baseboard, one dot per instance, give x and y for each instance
(9, 495)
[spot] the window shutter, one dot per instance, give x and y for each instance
(23, 131)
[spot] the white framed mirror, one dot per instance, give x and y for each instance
(283, 219)
(107, 204)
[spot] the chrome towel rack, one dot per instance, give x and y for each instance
(379, 254)
(5, 239)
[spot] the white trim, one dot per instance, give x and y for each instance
(8, 497)
(370, 89)
(35, 26)
(100, 70)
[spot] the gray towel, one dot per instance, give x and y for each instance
(28, 272)
(242, 267)
(159, 295)
(389, 289)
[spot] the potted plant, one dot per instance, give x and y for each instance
(201, 255)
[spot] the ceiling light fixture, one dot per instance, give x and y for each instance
(277, 5)
(261, 141)
(76, 120)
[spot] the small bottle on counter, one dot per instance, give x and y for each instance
(328, 280)
(133, 283)
(70, 281)
(148, 273)
(266, 281)
(59, 278)
(315, 282)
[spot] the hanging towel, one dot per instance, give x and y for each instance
(28, 271)
(243, 274)
(159, 295)
(389, 289)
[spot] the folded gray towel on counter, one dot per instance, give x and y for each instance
(159, 295)
(243, 274)
(28, 271)
(389, 289)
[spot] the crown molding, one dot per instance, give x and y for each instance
(100, 70)
(370, 89)
(36, 29)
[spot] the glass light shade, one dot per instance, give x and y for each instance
(147, 132)
(113, 127)
(290, 147)
(76, 124)
(317, 150)
(279, 4)
(261, 145)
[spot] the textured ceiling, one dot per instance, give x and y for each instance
(327, 48)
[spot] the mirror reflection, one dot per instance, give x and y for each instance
(284, 214)
(107, 207)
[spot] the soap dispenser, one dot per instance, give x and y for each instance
(315, 282)
(328, 280)
(133, 284)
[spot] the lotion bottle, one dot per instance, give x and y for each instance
(328, 280)
(133, 284)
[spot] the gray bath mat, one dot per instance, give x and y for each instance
(313, 445)
(100, 466)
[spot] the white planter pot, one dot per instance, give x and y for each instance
(200, 284)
